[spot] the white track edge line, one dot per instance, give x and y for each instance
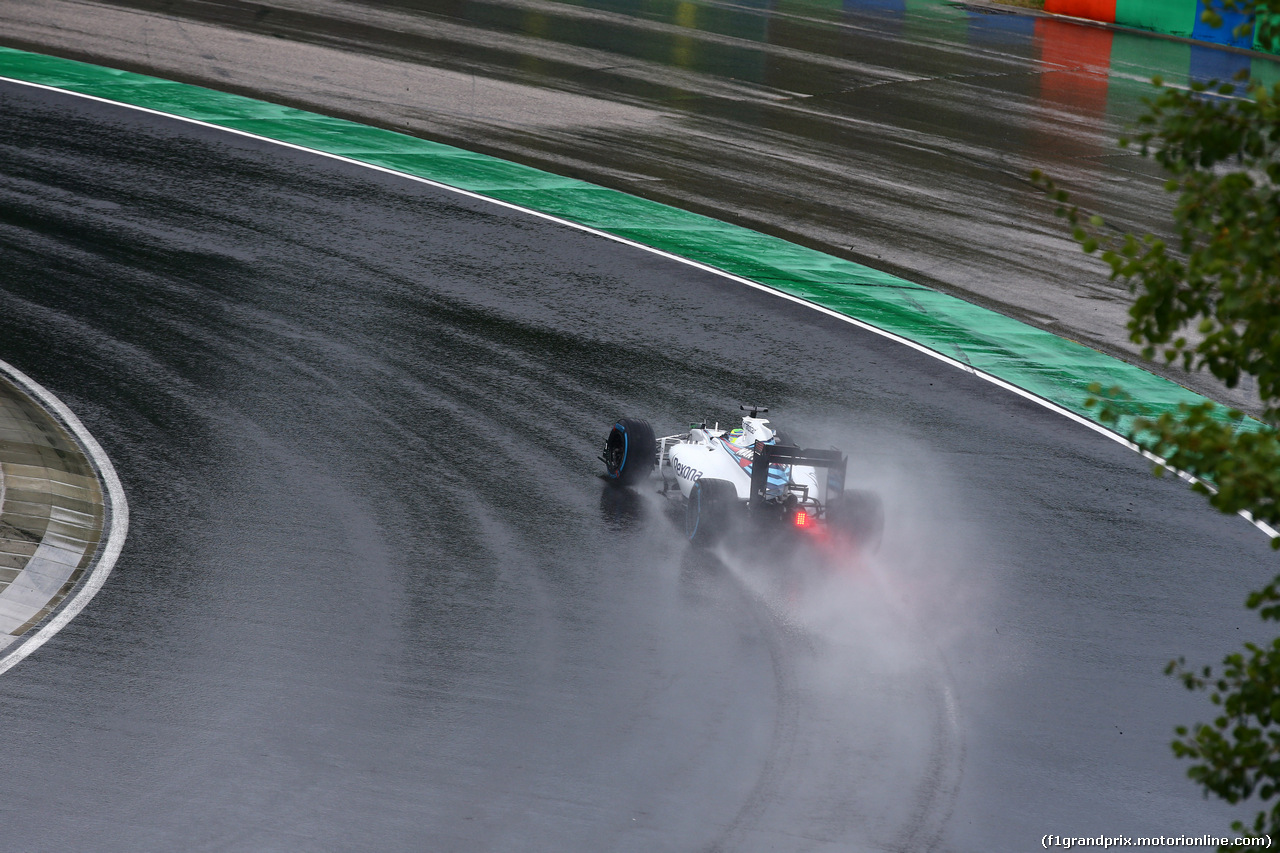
(862, 324)
(117, 511)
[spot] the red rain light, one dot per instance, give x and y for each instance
(802, 519)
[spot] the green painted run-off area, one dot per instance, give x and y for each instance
(1051, 367)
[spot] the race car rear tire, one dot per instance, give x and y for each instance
(859, 515)
(709, 513)
(630, 451)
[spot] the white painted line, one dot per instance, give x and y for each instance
(995, 380)
(117, 527)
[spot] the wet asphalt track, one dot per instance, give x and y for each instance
(374, 596)
(897, 133)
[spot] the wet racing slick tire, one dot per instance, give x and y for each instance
(630, 451)
(709, 513)
(859, 516)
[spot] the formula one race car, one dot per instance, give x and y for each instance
(748, 479)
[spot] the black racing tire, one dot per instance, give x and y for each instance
(630, 451)
(708, 515)
(859, 515)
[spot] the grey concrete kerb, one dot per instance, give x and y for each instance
(52, 513)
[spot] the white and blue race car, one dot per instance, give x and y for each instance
(746, 479)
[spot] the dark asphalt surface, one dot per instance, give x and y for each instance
(897, 134)
(374, 596)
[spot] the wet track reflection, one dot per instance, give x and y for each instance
(375, 595)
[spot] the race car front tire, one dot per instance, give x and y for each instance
(709, 513)
(630, 451)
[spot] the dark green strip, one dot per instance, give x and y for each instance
(1054, 368)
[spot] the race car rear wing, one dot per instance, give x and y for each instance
(766, 455)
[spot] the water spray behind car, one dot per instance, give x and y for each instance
(865, 631)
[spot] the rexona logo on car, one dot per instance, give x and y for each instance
(685, 472)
